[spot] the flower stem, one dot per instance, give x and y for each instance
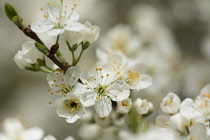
(78, 58)
(44, 70)
(48, 68)
(57, 40)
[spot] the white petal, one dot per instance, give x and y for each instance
(79, 89)
(42, 26)
(74, 16)
(89, 98)
(49, 137)
(72, 119)
(33, 133)
(144, 82)
(103, 107)
(74, 26)
(55, 32)
(69, 138)
(118, 92)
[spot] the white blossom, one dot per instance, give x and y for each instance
(102, 88)
(60, 84)
(143, 106)
(28, 55)
(13, 130)
(124, 106)
(71, 106)
(91, 33)
(57, 21)
(202, 102)
(171, 103)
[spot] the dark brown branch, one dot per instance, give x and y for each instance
(28, 32)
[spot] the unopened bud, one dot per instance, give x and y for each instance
(10, 11)
(18, 22)
(85, 45)
(35, 67)
(40, 62)
(42, 48)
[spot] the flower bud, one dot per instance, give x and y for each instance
(124, 106)
(42, 48)
(10, 11)
(171, 103)
(91, 33)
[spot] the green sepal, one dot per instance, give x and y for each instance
(10, 11)
(85, 45)
(40, 62)
(42, 48)
(74, 47)
(35, 67)
(18, 22)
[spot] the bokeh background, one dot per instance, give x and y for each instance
(174, 46)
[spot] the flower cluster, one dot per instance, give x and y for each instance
(14, 130)
(189, 118)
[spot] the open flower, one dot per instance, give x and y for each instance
(57, 21)
(61, 84)
(71, 107)
(124, 106)
(171, 103)
(102, 88)
(28, 55)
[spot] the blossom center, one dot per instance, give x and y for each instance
(168, 102)
(72, 105)
(132, 76)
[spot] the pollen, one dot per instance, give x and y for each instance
(88, 79)
(94, 79)
(97, 97)
(121, 90)
(57, 73)
(120, 78)
(52, 93)
(142, 79)
(124, 104)
(166, 123)
(54, 80)
(118, 72)
(86, 83)
(41, 9)
(96, 68)
(168, 102)
(61, 0)
(74, 78)
(45, 16)
(48, 3)
(48, 89)
(100, 99)
(107, 75)
(100, 69)
(50, 103)
(62, 79)
(70, 75)
(75, 4)
(102, 76)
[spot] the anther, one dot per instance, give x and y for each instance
(107, 75)
(100, 69)
(50, 103)
(118, 72)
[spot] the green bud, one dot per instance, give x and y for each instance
(18, 22)
(74, 47)
(41, 62)
(42, 48)
(34, 67)
(85, 45)
(10, 11)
